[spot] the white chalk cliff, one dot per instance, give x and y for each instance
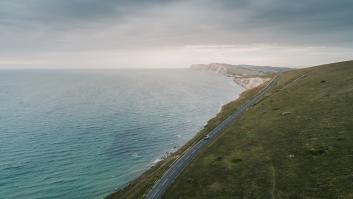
(246, 76)
(250, 82)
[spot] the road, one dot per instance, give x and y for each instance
(178, 166)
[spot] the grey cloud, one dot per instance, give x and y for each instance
(68, 12)
(322, 22)
(311, 14)
(51, 25)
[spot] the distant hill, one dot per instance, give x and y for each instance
(239, 70)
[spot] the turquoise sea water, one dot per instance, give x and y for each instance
(84, 133)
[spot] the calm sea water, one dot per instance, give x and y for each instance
(82, 134)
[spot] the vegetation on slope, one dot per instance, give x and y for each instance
(295, 143)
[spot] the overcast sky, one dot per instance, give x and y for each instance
(156, 33)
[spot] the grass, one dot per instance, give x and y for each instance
(140, 186)
(295, 143)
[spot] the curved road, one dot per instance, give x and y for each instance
(178, 166)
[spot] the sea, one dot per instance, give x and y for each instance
(85, 133)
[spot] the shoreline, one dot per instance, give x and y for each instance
(157, 169)
(176, 148)
(176, 151)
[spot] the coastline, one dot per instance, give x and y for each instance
(246, 78)
(175, 149)
(140, 186)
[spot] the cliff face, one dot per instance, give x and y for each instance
(243, 70)
(246, 76)
(250, 82)
(218, 68)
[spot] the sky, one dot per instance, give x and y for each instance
(173, 33)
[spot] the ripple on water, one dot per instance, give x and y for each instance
(81, 134)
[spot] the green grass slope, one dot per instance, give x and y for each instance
(295, 143)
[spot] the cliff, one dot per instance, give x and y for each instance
(218, 68)
(250, 82)
(247, 76)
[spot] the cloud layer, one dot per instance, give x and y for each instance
(63, 32)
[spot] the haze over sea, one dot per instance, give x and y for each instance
(83, 133)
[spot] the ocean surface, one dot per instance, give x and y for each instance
(83, 133)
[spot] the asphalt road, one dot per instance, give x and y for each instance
(178, 166)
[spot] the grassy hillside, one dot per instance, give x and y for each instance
(254, 70)
(295, 143)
